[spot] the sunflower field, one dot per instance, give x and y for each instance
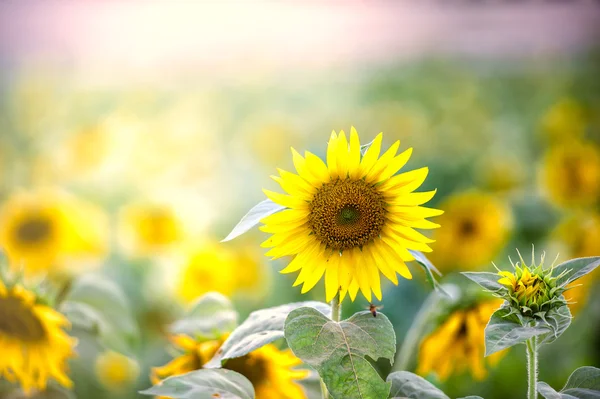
(370, 225)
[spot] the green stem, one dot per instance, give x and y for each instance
(532, 367)
(336, 314)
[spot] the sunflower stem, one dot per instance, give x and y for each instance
(532, 367)
(336, 314)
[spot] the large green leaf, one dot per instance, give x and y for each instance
(505, 329)
(338, 350)
(204, 384)
(260, 328)
(210, 316)
(98, 305)
(429, 269)
(584, 383)
(253, 217)
(575, 268)
(558, 319)
(487, 280)
(412, 386)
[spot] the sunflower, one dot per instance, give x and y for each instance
(149, 228)
(44, 230)
(116, 371)
(564, 121)
(269, 369)
(349, 219)
(457, 344)
(571, 174)
(34, 346)
(476, 227)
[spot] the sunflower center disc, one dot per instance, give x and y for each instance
(33, 230)
(18, 321)
(345, 214)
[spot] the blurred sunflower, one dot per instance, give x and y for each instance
(579, 236)
(457, 344)
(476, 226)
(149, 228)
(269, 369)
(564, 121)
(349, 219)
(35, 347)
(571, 174)
(116, 371)
(46, 231)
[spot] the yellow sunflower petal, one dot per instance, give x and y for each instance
(332, 283)
(382, 163)
(286, 200)
(341, 156)
(395, 165)
(332, 156)
(405, 182)
(412, 198)
(354, 155)
(368, 160)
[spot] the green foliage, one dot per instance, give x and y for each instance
(338, 350)
(260, 328)
(100, 307)
(253, 217)
(429, 268)
(204, 384)
(209, 317)
(409, 385)
(583, 383)
(487, 280)
(573, 269)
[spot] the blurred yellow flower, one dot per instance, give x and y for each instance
(35, 347)
(149, 228)
(350, 219)
(269, 369)
(570, 174)
(564, 121)
(116, 371)
(476, 227)
(216, 267)
(579, 236)
(457, 344)
(48, 231)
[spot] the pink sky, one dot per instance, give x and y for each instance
(148, 37)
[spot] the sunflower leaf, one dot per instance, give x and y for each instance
(260, 328)
(97, 304)
(486, 280)
(573, 269)
(339, 350)
(558, 319)
(253, 217)
(505, 329)
(204, 384)
(429, 268)
(209, 317)
(409, 385)
(583, 383)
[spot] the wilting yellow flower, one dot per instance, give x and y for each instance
(116, 371)
(33, 344)
(571, 174)
(149, 228)
(349, 219)
(269, 369)
(458, 344)
(564, 121)
(476, 227)
(44, 231)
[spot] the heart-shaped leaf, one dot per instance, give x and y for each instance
(583, 383)
(260, 328)
(412, 386)
(210, 316)
(204, 384)
(338, 350)
(253, 217)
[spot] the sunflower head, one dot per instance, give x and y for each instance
(35, 347)
(116, 371)
(351, 218)
(532, 289)
(269, 369)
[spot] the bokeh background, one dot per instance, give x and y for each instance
(145, 130)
